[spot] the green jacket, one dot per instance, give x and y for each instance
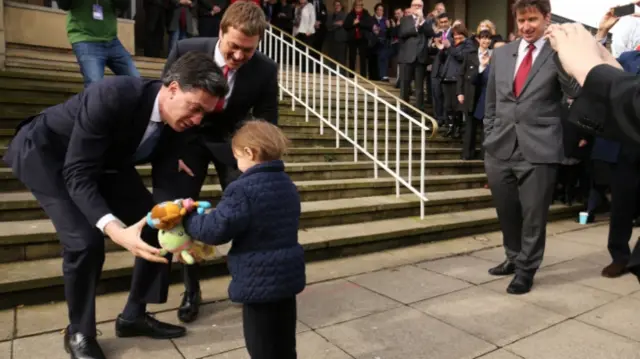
(82, 27)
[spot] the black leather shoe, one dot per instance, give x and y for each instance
(80, 346)
(520, 285)
(147, 326)
(504, 268)
(190, 306)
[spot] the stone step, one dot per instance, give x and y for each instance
(307, 171)
(328, 139)
(36, 238)
(22, 205)
(344, 154)
(40, 281)
(42, 53)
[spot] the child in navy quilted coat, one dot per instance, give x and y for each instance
(259, 213)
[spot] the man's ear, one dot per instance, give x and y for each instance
(249, 153)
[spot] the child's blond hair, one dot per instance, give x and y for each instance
(266, 140)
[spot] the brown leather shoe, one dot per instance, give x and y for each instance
(614, 270)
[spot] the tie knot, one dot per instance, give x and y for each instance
(225, 70)
(531, 47)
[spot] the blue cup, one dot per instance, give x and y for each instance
(583, 217)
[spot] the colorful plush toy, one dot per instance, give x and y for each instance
(167, 217)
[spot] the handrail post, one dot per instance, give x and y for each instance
(306, 85)
(321, 95)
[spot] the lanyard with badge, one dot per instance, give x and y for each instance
(97, 11)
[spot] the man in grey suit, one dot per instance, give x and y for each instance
(523, 141)
(414, 32)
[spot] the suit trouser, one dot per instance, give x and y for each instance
(469, 138)
(83, 244)
(438, 100)
(154, 26)
(624, 190)
(177, 184)
(413, 71)
(522, 193)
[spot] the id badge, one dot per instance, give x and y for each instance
(97, 12)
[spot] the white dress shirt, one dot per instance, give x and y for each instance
(524, 48)
(231, 75)
(480, 55)
(307, 23)
(153, 121)
(626, 35)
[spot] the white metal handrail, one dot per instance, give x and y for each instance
(293, 55)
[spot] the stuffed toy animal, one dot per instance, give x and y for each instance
(167, 217)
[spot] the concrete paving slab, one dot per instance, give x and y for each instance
(467, 268)
(440, 249)
(489, 315)
(556, 294)
(495, 255)
(337, 301)
(5, 350)
(50, 346)
(500, 354)
(125, 348)
(7, 329)
(575, 340)
(583, 272)
(218, 329)
(348, 266)
(620, 317)
(557, 251)
(404, 333)
(309, 345)
(409, 284)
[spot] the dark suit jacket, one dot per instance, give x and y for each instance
(480, 82)
(96, 130)
(413, 42)
(365, 25)
(609, 105)
(255, 89)
(466, 84)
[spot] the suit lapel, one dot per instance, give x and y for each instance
(544, 54)
(512, 58)
(143, 115)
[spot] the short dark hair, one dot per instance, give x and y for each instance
(443, 15)
(245, 16)
(460, 29)
(544, 6)
(484, 34)
(197, 70)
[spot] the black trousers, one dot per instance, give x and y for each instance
(209, 26)
(154, 27)
(83, 244)
(624, 190)
(270, 329)
(409, 72)
(472, 125)
(301, 60)
(174, 184)
(358, 47)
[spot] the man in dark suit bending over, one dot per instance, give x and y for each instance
(78, 159)
(253, 86)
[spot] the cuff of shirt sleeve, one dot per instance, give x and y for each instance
(106, 219)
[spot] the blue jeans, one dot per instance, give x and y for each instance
(94, 56)
(175, 36)
(384, 54)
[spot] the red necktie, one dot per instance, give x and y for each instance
(220, 104)
(523, 71)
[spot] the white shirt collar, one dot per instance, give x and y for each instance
(538, 44)
(217, 56)
(155, 113)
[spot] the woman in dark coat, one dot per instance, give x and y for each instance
(359, 25)
(336, 34)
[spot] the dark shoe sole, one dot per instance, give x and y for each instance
(517, 292)
(185, 318)
(121, 334)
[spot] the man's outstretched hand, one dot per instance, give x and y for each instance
(129, 238)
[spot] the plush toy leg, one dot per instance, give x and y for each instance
(187, 257)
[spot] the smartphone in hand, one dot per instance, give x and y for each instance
(624, 10)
